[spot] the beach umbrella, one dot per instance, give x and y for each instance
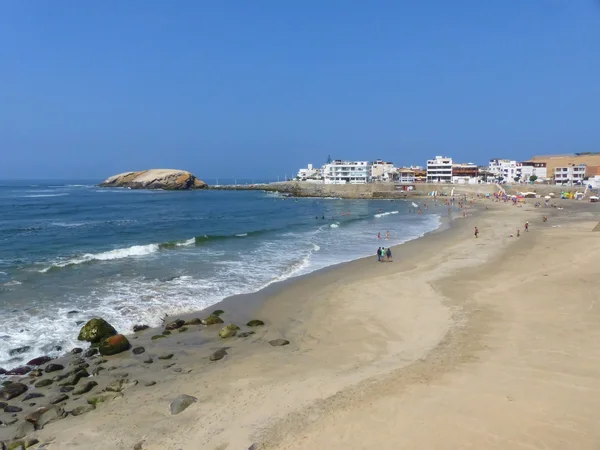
(547, 197)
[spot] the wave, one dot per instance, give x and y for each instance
(136, 250)
(386, 214)
(334, 225)
(44, 195)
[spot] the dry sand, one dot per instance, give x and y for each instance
(460, 343)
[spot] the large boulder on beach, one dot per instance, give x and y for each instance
(168, 179)
(229, 331)
(113, 345)
(96, 330)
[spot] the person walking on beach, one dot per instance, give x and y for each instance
(382, 254)
(518, 233)
(388, 253)
(476, 232)
(526, 226)
(379, 254)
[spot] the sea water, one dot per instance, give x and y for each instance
(70, 251)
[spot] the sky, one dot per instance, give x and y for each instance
(258, 89)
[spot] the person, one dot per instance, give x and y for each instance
(476, 232)
(526, 226)
(387, 234)
(379, 254)
(388, 253)
(378, 235)
(382, 254)
(545, 219)
(518, 233)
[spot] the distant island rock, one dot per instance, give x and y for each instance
(168, 179)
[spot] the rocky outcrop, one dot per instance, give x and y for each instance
(168, 179)
(96, 330)
(113, 345)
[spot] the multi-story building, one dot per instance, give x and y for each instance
(309, 173)
(504, 169)
(405, 176)
(382, 171)
(465, 173)
(439, 170)
(533, 168)
(342, 172)
(569, 174)
(575, 159)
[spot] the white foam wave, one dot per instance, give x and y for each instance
(12, 283)
(242, 235)
(187, 243)
(120, 253)
(386, 214)
(44, 195)
(68, 224)
(334, 225)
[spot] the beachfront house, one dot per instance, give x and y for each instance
(382, 171)
(347, 172)
(570, 174)
(535, 169)
(504, 169)
(310, 173)
(465, 173)
(439, 170)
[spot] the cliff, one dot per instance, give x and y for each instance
(168, 179)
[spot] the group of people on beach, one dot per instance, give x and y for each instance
(384, 254)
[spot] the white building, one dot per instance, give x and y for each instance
(533, 168)
(382, 171)
(309, 173)
(506, 169)
(406, 176)
(569, 174)
(342, 172)
(439, 170)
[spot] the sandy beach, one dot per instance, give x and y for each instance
(459, 343)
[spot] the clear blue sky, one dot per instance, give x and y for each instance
(260, 88)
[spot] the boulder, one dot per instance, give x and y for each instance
(12, 390)
(218, 355)
(82, 410)
(87, 387)
(138, 328)
(45, 415)
(23, 370)
(167, 179)
(229, 331)
(24, 429)
(279, 342)
(39, 361)
(180, 403)
(53, 368)
(255, 323)
(211, 320)
(96, 330)
(175, 324)
(113, 345)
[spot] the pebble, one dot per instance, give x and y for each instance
(66, 389)
(59, 399)
(12, 390)
(166, 356)
(77, 350)
(279, 342)
(180, 403)
(87, 387)
(137, 328)
(148, 361)
(219, 354)
(82, 409)
(53, 368)
(39, 361)
(246, 334)
(149, 383)
(32, 395)
(178, 370)
(166, 366)
(138, 350)
(12, 409)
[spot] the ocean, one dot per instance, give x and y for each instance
(70, 251)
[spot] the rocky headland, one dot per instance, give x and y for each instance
(167, 179)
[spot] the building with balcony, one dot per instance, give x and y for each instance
(310, 173)
(533, 168)
(382, 171)
(347, 172)
(405, 176)
(465, 173)
(439, 170)
(570, 174)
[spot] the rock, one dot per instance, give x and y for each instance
(96, 330)
(255, 323)
(217, 312)
(23, 370)
(45, 415)
(36, 373)
(167, 179)
(157, 336)
(19, 350)
(97, 370)
(39, 361)
(53, 368)
(77, 350)
(175, 324)
(70, 313)
(139, 445)
(180, 403)
(138, 350)
(120, 375)
(32, 395)
(79, 322)
(166, 356)
(61, 376)
(137, 328)
(102, 398)
(121, 385)
(3, 405)
(12, 409)
(150, 383)
(166, 333)
(196, 321)
(229, 331)
(59, 399)
(82, 409)
(74, 378)
(178, 370)
(182, 329)
(23, 430)
(245, 334)
(16, 445)
(168, 366)
(212, 320)
(113, 345)
(66, 389)
(218, 355)
(43, 383)
(2, 371)
(87, 387)
(12, 390)
(148, 360)
(76, 361)
(90, 352)
(279, 342)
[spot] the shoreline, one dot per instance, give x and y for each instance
(343, 332)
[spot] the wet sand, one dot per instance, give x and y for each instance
(459, 343)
